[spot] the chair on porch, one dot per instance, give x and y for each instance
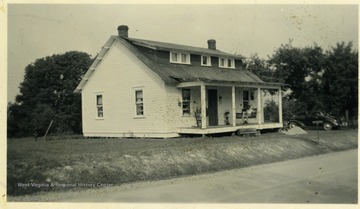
(247, 113)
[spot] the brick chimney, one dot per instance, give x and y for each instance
(123, 31)
(211, 44)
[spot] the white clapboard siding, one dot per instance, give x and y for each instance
(117, 77)
(175, 118)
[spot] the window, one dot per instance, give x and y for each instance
(222, 62)
(229, 63)
(245, 99)
(226, 63)
(174, 57)
(183, 58)
(186, 101)
(139, 102)
(177, 57)
(99, 106)
(205, 60)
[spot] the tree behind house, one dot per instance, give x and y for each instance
(319, 81)
(340, 80)
(47, 94)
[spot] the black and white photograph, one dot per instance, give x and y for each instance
(220, 104)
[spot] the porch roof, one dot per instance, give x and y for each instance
(200, 81)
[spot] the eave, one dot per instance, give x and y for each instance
(200, 82)
(95, 63)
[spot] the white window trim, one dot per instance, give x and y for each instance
(135, 112)
(182, 105)
(226, 62)
(96, 105)
(209, 60)
(178, 61)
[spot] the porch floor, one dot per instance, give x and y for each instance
(227, 128)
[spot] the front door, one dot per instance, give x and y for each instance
(212, 107)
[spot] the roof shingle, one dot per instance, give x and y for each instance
(172, 73)
(182, 48)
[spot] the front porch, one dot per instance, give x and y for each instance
(227, 128)
(224, 105)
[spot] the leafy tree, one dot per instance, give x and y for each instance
(293, 107)
(301, 68)
(340, 80)
(261, 68)
(318, 81)
(42, 115)
(271, 111)
(47, 92)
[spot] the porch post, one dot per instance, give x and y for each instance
(280, 107)
(233, 106)
(203, 106)
(259, 108)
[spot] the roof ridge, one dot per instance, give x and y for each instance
(159, 45)
(138, 39)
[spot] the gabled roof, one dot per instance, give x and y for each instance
(172, 73)
(96, 62)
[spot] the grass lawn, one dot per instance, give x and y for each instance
(70, 164)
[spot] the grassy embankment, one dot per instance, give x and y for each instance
(117, 161)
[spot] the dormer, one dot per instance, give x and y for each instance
(179, 57)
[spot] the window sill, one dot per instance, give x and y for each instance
(139, 117)
(181, 63)
(227, 67)
(99, 118)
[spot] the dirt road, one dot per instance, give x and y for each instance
(328, 178)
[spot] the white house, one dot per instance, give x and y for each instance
(142, 88)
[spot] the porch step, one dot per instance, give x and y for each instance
(248, 132)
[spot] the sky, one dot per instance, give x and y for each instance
(39, 30)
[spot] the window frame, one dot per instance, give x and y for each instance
(208, 58)
(245, 98)
(99, 107)
(179, 58)
(187, 101)
(139, 104)
(226, 63)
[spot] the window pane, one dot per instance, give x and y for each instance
(100, 111)
(186, 108)
(205, 62)
(139, 109)
(246, 95)
(186, 94)
(222, 62)
(184, 58)
(139, 103)
(99, 106)
(139, 96)
(174, 56)
(98, 99)
(186, 101)
(229, 63)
